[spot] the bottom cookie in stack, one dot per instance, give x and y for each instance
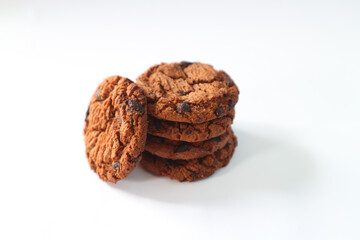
(193, 169)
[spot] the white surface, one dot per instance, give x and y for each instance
(295, 174)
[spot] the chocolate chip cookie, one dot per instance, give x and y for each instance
(190, 132)
(190, 170)
(188, 92)
(174, 150)
(115, 128)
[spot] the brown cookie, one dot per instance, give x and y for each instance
(115, 128)
(188, 92)
(190, 132)
(190, 170)
(175, 150)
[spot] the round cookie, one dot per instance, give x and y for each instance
(190, 170)
(175, 150)
(190, 132)
(188, 92)
(115, 128)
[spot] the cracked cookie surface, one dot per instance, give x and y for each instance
(190, 132)
(177, 150)
(115, 128)
(190, 170)
(188, 92)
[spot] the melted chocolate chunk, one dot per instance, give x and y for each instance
(135, 159)
(181, 93)
(219, 112)
(228, 81)
(183, 107)
(116, 165)
(231, 104)
(87, 113)
(183, 147)
(185, 64)
(152, 95)
(136, 106)
(216, 139)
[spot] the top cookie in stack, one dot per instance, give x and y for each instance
(191, 108)
(188, 92)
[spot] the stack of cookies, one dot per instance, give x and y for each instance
(175, 120)
(190, 112)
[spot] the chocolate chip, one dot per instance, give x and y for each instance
(188, 132)
(183, 147)
(181, 93)
(98, 95)
(157, 123)
(136, 106)
(151, 98)
(185, 64)
(135, 159)
(152, 95)
(229, 81)
(116, 165)
(216, 139)
(219, 112)
(87, 113)
(231, 104)
(183, 107)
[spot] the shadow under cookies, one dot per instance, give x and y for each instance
(261, 162)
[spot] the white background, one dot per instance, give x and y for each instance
(295, 173)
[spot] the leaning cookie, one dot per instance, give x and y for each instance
(188, 92)
(190, 170)
(115, 128)
(190, 132)
(175, 150)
